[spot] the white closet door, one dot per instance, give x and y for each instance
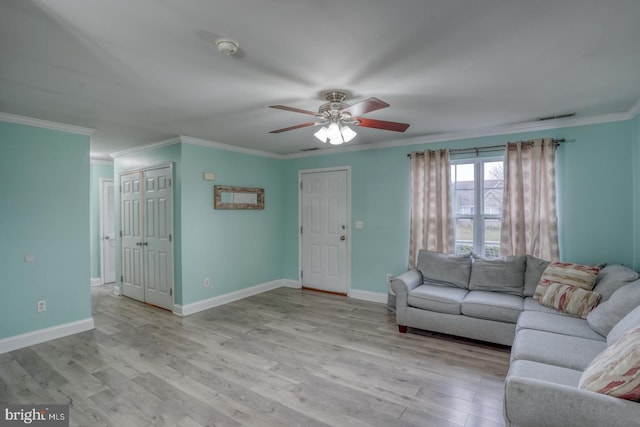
(158, 236)
(131, 240)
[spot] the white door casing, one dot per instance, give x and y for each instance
(131, 237)
(107, 232)
(325, 230)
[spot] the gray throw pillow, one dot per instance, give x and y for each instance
(504, 275)
(613, 277)
(627, 323)
(605, 316)
(444, 269)
(532, 273)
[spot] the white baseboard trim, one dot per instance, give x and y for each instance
(42, 335)
(368, 296)
(96, 281)
(288, 283)
(186, 310)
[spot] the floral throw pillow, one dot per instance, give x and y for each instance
(566, 273)
(616, 371)
(570, 299)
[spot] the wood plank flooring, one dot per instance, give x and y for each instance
(286, 357)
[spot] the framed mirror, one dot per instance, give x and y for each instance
(228, 197)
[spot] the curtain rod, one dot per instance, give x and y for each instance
(556, 143)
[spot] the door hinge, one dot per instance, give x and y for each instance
(120, 233)
(300, 185)
(170, 292)
(301, 274)
(121, 279)
(169, 237)
(169, 182)
(300, 229)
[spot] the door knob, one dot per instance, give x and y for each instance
(107, 237)
(343, 238)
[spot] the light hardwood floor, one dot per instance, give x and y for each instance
(282, 358)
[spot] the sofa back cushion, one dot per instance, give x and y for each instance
(444, 269)
(532, 273)
(613, 277)
(504, 275)
(627, 323)
(606, 315)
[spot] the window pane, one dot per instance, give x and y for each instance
(492, 237)
(492, 188)
(463, 187)
(464, 235)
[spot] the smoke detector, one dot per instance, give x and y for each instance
(227, 46)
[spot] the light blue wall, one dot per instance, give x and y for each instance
(97, 171)
(235, 249)
(595, 200)
(635, 140)
(44, 208)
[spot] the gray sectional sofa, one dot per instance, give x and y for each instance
(491, 300)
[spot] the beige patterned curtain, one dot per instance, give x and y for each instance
(431, 209)
(529, 213)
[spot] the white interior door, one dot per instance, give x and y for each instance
(158, 230)
(131, 240)
(107, 225)
(324, 228)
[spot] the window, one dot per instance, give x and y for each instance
(477, 187)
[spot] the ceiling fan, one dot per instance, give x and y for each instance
(335, 116)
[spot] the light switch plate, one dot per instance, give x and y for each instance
(209, 176)
(359, 224)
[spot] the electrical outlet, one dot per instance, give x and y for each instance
(42, 306)
(206, 281)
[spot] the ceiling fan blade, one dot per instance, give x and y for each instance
(301, 125)
(382, 124)
(295, 110)
(366, 106)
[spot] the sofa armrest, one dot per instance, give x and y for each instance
(402, 285)
(532, 403)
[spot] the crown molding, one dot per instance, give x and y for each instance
(634, 110)
(30, 121)
(146, 147)
(227, 147)
(98, 161)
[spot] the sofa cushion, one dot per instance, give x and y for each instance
(628, 322)
(557, 324)
(613, 277)
(531, 304)
(492, 306)
(544, 372)
(437, 298)
(532, 273)
(616, 371)
(555, 349)
(570, 299)
(498, 275)
(444, 269)
(566, 273)
(607, 314)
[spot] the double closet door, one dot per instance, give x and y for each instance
(146, 231)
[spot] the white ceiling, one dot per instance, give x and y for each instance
(142, 71)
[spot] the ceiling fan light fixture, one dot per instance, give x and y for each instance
(347, 133)
(321, 134)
